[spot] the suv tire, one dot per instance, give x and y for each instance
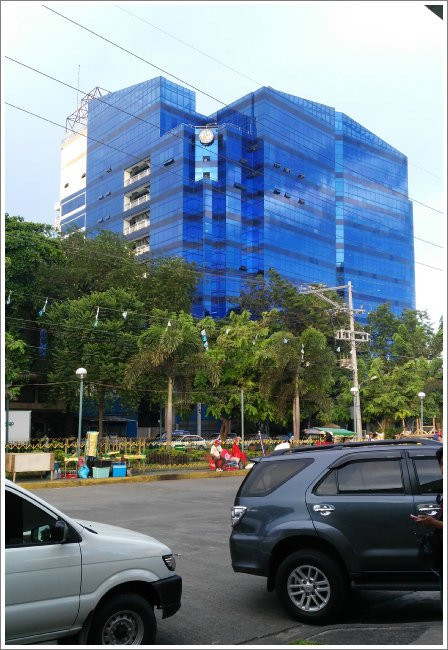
(125, 619)
(311, 586)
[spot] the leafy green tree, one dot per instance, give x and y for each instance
(32, 252)
(96, 265)
(299, 311)
(256, 296)
(413, 337)
(393, 396)
(102, 346)
(382, 325)
(92, 265)
(17, 364)
(229, 368)
(169, 284)
(172, 348)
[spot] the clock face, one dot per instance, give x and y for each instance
(206, 136)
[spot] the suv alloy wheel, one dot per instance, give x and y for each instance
(311, 586)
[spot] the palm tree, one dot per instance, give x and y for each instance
(292, 367)
(172, 348)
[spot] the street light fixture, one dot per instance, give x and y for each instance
(422, 396)
(368, 379)
(80, 373)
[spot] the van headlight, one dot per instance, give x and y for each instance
(170, 561)
(237, 513)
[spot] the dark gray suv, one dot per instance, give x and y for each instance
(319, 521)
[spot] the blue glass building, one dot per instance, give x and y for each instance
(270, 181)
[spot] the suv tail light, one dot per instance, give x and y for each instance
(237, 514)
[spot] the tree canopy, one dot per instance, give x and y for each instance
(79, 301)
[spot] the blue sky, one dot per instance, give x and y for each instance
(382, 63)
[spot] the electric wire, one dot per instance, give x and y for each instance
(238, 72)
(307, 192)
(203, 92)
(137, 157)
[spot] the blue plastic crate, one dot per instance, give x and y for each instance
(118, 470)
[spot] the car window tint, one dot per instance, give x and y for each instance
(264, 478)
(25, 523)
(371, 476)
(429, 475)
(328, 485)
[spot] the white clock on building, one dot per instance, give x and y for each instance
(206, 136)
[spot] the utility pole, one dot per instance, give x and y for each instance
(357, 413)
(353, 337)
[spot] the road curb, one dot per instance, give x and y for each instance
(147, 478)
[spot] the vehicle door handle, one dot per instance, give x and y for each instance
(323, 509)
(428, 509)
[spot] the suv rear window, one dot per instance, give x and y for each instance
(264, 478)
(363, 477)
(429, 475)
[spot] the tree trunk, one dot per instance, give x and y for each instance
(296, 411)
(225, 429)
(169, 412)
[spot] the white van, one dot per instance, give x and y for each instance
(95, 583)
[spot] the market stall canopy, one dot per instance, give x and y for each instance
(337, 432)
(314, 431)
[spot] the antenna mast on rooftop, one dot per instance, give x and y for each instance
(80, 115)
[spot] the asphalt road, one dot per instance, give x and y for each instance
(220, 607)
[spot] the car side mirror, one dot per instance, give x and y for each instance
(59, 532)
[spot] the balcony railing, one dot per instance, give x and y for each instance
(136, 226)
(139, 201)
(139, 250)
(137, 177)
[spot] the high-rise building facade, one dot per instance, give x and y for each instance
(270, 181)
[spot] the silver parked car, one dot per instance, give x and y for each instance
(81, 581)
(190, 440)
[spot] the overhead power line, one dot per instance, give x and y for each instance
(133, 54)
(306, 192)
(363, 218)
(225, 65)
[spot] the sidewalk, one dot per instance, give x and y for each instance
(418, 634)
(156, 475)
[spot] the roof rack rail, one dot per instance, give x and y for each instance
(367, 443)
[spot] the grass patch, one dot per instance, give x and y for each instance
(303, 642)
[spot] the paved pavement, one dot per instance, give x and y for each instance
(220, 607)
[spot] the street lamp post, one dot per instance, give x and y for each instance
(7, 412)
(80, 373)
(355, 391)
(422, 396)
